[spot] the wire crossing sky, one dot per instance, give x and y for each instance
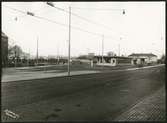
(46, 19)
(140, 30)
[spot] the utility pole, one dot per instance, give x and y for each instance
(118, 49)
(58, 55)
(102, 48)
(15, 56)
(28, 60)
(162, 45)
(37, 51)
(69, 45)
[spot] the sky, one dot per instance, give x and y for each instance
(140, 30)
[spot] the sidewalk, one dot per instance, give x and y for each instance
(28, 75)
(40, 75)
(151, 108)
(30, 67)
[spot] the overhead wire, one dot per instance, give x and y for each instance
(99, 9)
(83, 18)
(74, 27)
(37, 11)
(15, 9)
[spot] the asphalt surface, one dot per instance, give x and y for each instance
(151, 108)
(39, 72)
(107, 94)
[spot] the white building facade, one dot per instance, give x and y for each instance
(112, 60)
(143, 58)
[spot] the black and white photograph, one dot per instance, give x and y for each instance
(83, 61)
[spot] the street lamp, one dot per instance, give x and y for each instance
(15, 18)
(102, 50)
(69, 44)
(30, 13)
(37, 51)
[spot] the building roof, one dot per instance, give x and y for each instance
(142, 54)
(113, 57)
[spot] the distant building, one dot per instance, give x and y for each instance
(112, 60)
(83, 59)
(111, 53)
(143, 58)
(90, 56)
(4, 49)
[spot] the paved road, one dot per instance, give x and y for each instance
(37, 72)
(107, 94)
(17, 76)
(151, 108)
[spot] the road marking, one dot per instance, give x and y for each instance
(11, 114)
